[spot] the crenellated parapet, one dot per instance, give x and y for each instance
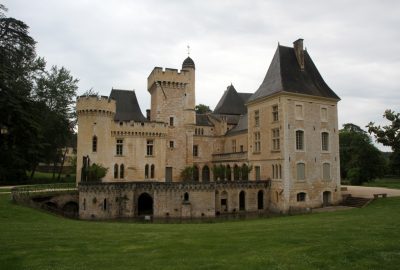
(95, 105)
(169, 78)
(139, 129)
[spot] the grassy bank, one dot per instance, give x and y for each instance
(365, 238)
(384, 182)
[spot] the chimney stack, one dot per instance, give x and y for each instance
(299, 51)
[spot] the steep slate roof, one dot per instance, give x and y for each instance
(242, 125)
(231, 102)
(127, 106)
(202, 120)
(284, 75)
(245, 96)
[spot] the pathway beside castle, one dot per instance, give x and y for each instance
(368, 192)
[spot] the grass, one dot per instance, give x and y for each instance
(43, 178)
(365, 238)
(384, 182)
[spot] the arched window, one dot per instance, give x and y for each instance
(116, 171)
(236, 172)
(245, 172)
(273, 171)
(146, 171)
(152, 171)
(195, 174)
(301, 171)
(326, 171)
(299, 140)
(205, 174)
(301, 197)
(228, 173)
(186, 197)
(105, 204)
(121, 171)
(94, 144)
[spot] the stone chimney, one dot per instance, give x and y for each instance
(299, 51)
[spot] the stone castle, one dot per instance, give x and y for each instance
(274, 150)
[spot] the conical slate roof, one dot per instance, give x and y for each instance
(188, 63)
(285, 75)
(231, 102)
(127, 106)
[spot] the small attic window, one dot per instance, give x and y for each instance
(121, 123)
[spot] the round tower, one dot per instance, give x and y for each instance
(95, 114)
(189, 67)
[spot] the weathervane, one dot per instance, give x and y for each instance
(188, 47)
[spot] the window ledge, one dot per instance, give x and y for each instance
(275, 151)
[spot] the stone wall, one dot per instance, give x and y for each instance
(175, 200)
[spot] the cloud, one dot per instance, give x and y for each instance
(117, 44)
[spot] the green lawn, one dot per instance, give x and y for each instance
(384, 182)
(367, 238)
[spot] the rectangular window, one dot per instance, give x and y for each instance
(256, 118)
(257, 142)
(241, 148)
(299, 140)
(301, 197)
(299, 111)
(324, 114)
(171, 144)
(326, 171)
(275, 139)
(150, 144)
(258, 172)
(233, 146)
(275, 113)
(195, 150)
(171, 121)
(325, 141)
(301, 171)
(120, 146)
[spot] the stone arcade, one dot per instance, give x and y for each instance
(274, 150)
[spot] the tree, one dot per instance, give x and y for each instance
(360, 160)
(187, 174)
(388, 135)
(57, 90)
(202, 109)
(19, 121)
(36, 106)
(96, 172)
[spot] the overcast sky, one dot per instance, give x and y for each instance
(354, 44)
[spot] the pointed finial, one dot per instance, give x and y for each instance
(188, 48)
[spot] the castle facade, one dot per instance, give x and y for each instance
(276, 149)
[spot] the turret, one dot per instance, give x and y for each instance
(95, 115)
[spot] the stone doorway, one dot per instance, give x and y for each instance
(326, 198)
(145, 204)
